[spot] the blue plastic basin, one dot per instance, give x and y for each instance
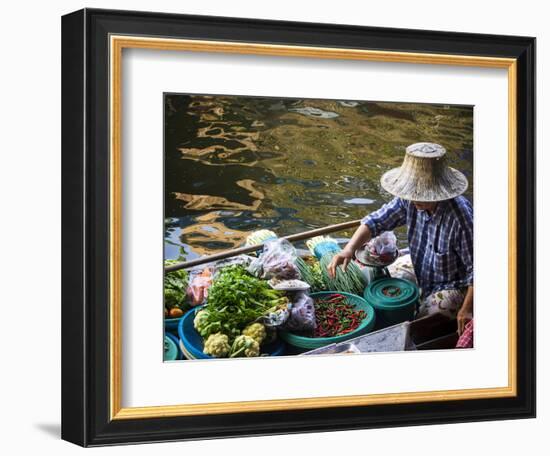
(191, 342)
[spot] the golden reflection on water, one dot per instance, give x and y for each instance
(212, 203)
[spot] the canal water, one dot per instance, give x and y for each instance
(237, 164)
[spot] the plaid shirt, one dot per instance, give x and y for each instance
(441, 244)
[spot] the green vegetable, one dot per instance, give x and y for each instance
(311, 274)
(217, 345)
(256, 331)
(237, 299)
(260, 236)
(203, 325)
(352, 281)
(244, 346)
(319, 283)
(175, 287)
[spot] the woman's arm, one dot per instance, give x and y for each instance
(466, 312)
(361, 235)
(389, 216)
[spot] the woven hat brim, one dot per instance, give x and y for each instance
(450, 185)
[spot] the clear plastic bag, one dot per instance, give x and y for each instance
(386, 243)
(277, 261)
(380, 251)
(302, 313)
(276, 318)
(197, 291)
(243, 260)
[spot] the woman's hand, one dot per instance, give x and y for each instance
(465, 314)
(343, 258)
(361, 235)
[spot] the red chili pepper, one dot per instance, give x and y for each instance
(335, 316)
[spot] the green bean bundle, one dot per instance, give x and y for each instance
(311, 274)
(352, 281)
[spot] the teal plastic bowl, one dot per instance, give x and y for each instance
(174, 338)
(191, 342)
(394, 300)
(171, 350)
(310, 343)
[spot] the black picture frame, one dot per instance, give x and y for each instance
(85, 224)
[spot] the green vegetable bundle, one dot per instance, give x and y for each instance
(311, 274)
(352, 281)
(259, 237)
(175, 287)
(236, 299)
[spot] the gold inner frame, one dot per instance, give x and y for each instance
(117, 44)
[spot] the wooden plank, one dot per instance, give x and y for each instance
(447, 341)
(431, 327)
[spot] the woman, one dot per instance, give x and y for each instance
(439, 229)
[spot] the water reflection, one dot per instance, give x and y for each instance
(237, 164)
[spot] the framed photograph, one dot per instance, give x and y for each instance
(277, 227)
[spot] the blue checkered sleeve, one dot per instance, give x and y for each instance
(389, 216)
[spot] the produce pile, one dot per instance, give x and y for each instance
(335, 317)
(246, 302)
(230, 320)
(175, 292)
(242, 312)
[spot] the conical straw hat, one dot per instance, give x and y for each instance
(424, 175)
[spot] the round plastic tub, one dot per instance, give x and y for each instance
(192, 344)
(171, 350)
(394, 300)
(311, 343)
(176, 341)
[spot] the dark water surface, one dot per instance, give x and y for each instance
(237, 164)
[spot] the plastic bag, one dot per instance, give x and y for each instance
(243, 260)
(277, 261)
(302, 314)
(197, 291)
(386, 243)
(380, 251)
(276, 318)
